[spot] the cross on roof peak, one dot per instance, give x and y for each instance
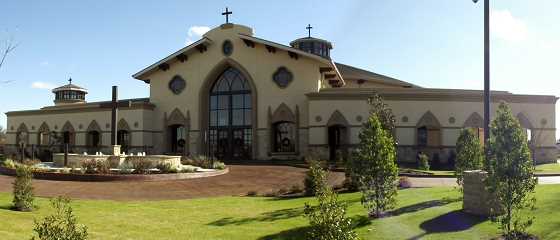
(227, 13)
(309, 27)
(70, 81)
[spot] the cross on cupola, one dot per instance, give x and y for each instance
(309, 27)
(70, 81)
(227, 13)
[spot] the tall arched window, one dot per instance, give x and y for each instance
(123, 139)
(284, 137)
(230, 128)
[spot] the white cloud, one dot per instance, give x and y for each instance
(505, 26)
(42, 85)
(195, 32)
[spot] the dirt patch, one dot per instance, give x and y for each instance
(238, 182)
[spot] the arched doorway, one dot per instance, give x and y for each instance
(230, 131)
(337, 137)
(177, 139)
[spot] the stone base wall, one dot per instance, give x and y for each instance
(76, 160)
(476, 199)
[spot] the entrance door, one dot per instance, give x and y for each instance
(230, 130)
(335, 138)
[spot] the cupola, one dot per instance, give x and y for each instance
(69, 94)
(313, 45)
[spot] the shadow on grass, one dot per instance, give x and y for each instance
(454, 221)
(301, 232)
(7, 207)
(423, 205)
(292, 234)
(264, 217)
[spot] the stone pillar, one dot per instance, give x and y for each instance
(476, 199)
(116, 150)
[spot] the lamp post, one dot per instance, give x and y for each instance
(486, 70)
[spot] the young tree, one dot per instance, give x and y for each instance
(385, 115)
(470, 155)
(510, 171)
(2, 135)
(309, 182)
(23, 190)
(374, 166)
(60, 225)
(8, 46)
(328, 219)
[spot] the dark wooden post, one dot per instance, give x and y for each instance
(32, 151)
(65, 154)
(114, 116)
(486, 72)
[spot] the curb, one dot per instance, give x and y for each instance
(113, 177)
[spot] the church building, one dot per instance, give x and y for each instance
(234, 96)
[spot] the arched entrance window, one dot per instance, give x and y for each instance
(123, 139)
(177, 138)
(230, 127)
(284, 137)
(93, 140)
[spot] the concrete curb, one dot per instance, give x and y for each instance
(114, 177)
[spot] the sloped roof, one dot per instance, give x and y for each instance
(350, 72)
(71, 87)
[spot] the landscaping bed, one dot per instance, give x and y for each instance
(61, 176)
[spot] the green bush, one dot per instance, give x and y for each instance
(219, 165)
(469, 154)
(374, 164)
(188, 170)
(141, 165)
(93, 166)
(23, 189)
(9, 163)
(423, 162)
(328, 219)
(315, 171)
(511, 174)
(62, 225)
(164, 167)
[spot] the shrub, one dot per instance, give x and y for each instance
(423, 162)
(23, 189)
(141, 165)
(60, 225)
(510, 177)
(9, 163)
(92, 166)
(164, 167)
(328, 219)
(30, 162)
(315, 171)
(404, 182)
(125, 168)
(219, 165)
(188, 170)
(375, 167)
(469, 154)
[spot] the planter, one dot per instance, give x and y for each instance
(115, 177)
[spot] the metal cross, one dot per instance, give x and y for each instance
(309, 27)
(70, 80)
(227, 13)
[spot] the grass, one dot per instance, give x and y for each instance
(548, 168)
(429, 213)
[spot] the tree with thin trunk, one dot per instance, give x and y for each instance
(510, 174)
(374, 166)
(470, 155)
(6, 48)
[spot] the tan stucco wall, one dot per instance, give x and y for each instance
(259, 64)
(139, 117)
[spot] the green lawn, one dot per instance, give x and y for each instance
(430, 213)
(548, 168)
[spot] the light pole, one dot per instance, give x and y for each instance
(486, 70)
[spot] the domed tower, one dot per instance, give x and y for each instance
(69, 94)
(312, 45)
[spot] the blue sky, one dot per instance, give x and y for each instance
(432, 43)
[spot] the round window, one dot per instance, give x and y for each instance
(177, 85)
(282, 77)
(227, 47)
